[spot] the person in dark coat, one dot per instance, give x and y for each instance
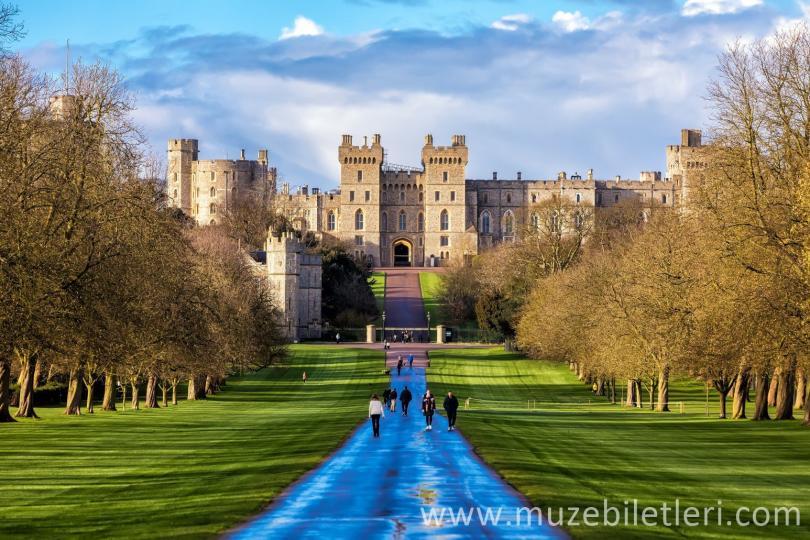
(451, 407)
(428, 408)
(393, 398)
(405, 398)
(387, 397)
(399, 365)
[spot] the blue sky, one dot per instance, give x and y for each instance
(537, 86)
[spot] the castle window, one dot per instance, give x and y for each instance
(330, 221)
(384, 222)
(444, 221)
(368, 196)
(664, 198)
(402, 196)
(197, 193)
(420, 222)
(579, 197)
(452, 196)
(384, 196)
(213, 222)
(421, 196)
(374, 160)
(359, 176)
(403, 221)
(233, 192)
(351, 196)
(436, 196)
(508, 222)
(598, 198)
(616, 198)
(535, 222)
(213, 192)
(358, 220)
(174, 177)
(213, 176)
(345, 160)
(554, 222)
(486, 198)
(485, 223)
(444, 240)
(196, 209)
(174, 195)
(358, 240)
(534, 197)
(444, 176)
(420, 241)
(212, 209)
(508, 198)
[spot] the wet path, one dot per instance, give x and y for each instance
(377, 488)
(403, 299)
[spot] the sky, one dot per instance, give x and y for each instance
(536, 86)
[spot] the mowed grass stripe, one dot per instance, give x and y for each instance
(561, 456)
(187, 471)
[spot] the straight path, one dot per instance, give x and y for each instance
(403, 299)
(379, 488)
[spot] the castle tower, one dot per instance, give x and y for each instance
(685, 161)
(445, 199)
(360, 172)
(283, 269)
(181, 154)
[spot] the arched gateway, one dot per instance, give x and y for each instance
(403, 253)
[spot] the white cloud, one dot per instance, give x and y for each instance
(301, 27)
(717, 7)
(571, 21)
(510, 23)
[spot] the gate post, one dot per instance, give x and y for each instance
(371, 333)
(439, 333)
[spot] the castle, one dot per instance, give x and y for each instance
(403, 216)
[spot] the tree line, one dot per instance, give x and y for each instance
(100, 282)
(716, 290)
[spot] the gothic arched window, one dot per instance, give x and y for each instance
(331, 222)
(444, 221)
(508, 222)
(384, 222)
(403, 221)
(358, 220)
(420, 222)
(485, 222)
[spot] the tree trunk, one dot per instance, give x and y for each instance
(151, 392)
(638, 392)
(74, 397)
(123, 396)
(740, 394)
(175, 382)
(26, 403)
(663, 390)
(580, 372)
(723, 398)
(165, 389)
(600, 386)
(109, 391)
(773, 388)
(806, 420)
(613, 390)
(90, 387)
(196, 388)
(209, 385)
(631, 391)
(761, 404)
(37, 373)
(801, 389)
(5, 393)
(51, 373)
(134, 402)
(784, 394)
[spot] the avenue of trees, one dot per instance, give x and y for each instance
(100, 284)
(717, 290)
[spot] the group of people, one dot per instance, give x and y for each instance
(406, 336)
(401, 363)
(376, 408)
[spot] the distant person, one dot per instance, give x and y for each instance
(451, 408)
(393, 398)
(304, 376)
(399, 365)
(375, 411)
(410, 360)
(386, 396)
(386, 345)
(337, 338)
(405, 398)
(428, 408)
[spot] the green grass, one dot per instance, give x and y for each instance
(377, 283)
(569, 453)
(187, 471)
(431, 285)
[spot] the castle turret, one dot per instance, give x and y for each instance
(181, 155)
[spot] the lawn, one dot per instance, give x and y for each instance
(431, 286)
(569, 452)
(187, 471)
(377, 283)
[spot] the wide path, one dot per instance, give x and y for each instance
(403, 299)
(378, 488)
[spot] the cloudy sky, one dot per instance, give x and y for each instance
(537, 86)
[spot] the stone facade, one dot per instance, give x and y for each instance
(295, 276)
(433, 214)
(205, 189)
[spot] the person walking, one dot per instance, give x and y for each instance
(428, 408)
(399, 365)
(405, 398)
(304, 376)
(393, 398)
(375, 411)
(451, 408)
(410, 360)
(337, 338)
(386, 396)
(386, 346)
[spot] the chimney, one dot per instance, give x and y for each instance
(316, 191)
(494, 175)
(428, 140)
(561, 175)
(590, 174)
(375, 140)
(618, 177)
(263, 156)
(347, 140)
(520, 175)
(242, 154)
(305, 190)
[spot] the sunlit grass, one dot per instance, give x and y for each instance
(191, 470)
(576, 449)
